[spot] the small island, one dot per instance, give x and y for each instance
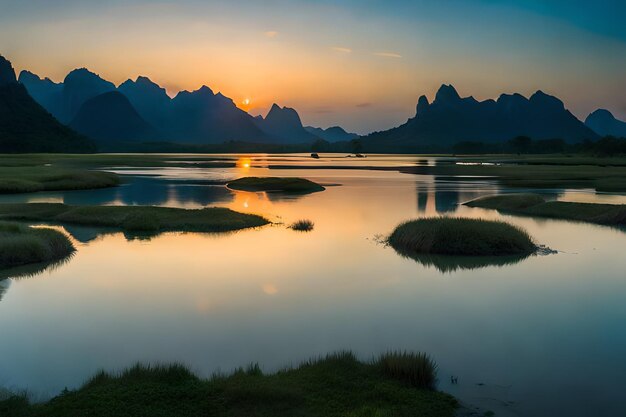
(535, 205)
(22, 245)
(460, 237)
(135, 218)
(275, 184)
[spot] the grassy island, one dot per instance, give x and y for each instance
(536, 206)
(462, 237)
(22, 245)
(135, 218)
(339, 385)
(26, 179)
(275, 184)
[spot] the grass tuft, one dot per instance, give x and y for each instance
(416, 369)
(460, 236)
(302, 225)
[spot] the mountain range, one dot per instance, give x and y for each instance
(141, 111)
(450, 119)
(191, 117)
(25, 126)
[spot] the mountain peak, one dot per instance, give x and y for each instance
(422, 105)
(604, 123)
(447, 94)
(545, 100)
(7, 73)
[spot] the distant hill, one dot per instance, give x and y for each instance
(450, 119)
(111, 117)
(149, 99)
(332, 134)
(25, 126)
(204, 117)
(45, 91)
(604, 123)
(284, 124)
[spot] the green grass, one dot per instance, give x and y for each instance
(134, 218)
(537, 206)
(337, 385)
(286, 185)
(21, 245)
(26, 179)
(459, 236)
(302, 225)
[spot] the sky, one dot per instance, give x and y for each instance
(359, 64)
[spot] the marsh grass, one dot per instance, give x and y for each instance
(275, 184)
(145, 219)
(335, 385)
(460, 237)
(22, 245)
(416, 369)
(26, 179)
(536, 206)
(302, 225)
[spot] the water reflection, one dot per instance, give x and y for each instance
(4, 286)
(448, 264)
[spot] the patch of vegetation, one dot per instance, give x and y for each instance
(537, 206)
(27, 179)
(22, 245)
(459, 236)
(417, 369)
(302, 225)
(275, 184)
(337, 385)
(135, 218)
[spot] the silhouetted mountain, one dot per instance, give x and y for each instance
(285, 126)
(149, 99)
(604, 123)
(332, 134)
(450, 119)
(25, 126)
(203, 117)
(111, 117)
(45, 91)
(79, 86)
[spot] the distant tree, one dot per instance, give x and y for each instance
(521, 144)
(320, 146)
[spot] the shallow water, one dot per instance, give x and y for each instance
(544, 336)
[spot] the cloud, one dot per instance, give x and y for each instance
(271, 33)
(341, 49)
(388, 54)
(364, 105)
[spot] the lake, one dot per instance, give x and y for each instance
(544, 336)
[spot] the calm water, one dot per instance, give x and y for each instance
(541, 337)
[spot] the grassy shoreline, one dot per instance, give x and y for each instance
(22, 246)
(135, 218)
(394, 384)
(536, 206)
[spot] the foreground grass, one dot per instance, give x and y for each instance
(459, 236)
(21, 245)
(135, 218)
(536, 206)
(396, 384)
(286, 185)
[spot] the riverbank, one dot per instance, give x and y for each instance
(338, 385)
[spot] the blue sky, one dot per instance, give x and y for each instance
(361, 64)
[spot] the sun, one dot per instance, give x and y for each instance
(246, 101)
